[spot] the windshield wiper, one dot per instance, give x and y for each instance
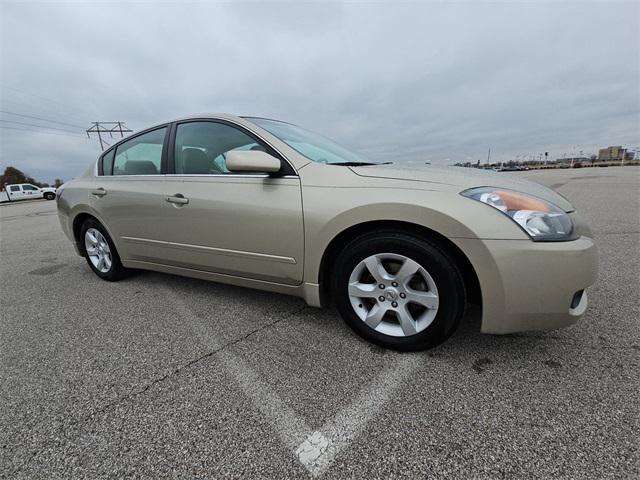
(358, 164)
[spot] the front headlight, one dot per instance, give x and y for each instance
(541, 220)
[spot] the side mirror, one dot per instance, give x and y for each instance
(251, 161)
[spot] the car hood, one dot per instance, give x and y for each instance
(463, 178)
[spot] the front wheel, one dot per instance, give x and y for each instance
(399, 291)
(49, 196)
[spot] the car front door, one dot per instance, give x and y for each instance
(30, 191)
(128, 195)
(246, 225)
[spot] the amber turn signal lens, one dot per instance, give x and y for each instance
(542, 220)
(515, 201)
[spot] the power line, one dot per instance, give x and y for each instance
(24, 92)
(40, 131)
(37, 107)
(40, 118)
(36, 125)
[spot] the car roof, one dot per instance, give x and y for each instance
(223, 116)
(220, 115)
(241, 120)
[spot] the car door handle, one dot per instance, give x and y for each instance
(99, 192)
(178, 198)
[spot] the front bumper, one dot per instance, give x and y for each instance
(529, 285)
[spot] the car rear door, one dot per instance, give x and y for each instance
(15, 192)
(247, 225)
(128, 195)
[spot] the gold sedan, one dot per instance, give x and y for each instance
(399, 249)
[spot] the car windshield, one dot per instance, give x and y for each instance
(313, 146)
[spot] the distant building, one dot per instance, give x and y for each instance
(611, 153)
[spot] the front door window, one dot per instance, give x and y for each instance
(201, 147)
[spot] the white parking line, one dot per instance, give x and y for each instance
(289, 427)
(312, 452)
(319, 450)
(315, 450)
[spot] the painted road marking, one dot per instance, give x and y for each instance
(344, 427)
(312, 451)
(316, 450)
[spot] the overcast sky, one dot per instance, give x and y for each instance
(395, 81)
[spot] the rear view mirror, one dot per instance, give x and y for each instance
(252, 161)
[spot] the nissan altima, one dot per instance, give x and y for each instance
(400, 250)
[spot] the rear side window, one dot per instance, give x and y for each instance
(141, 155)
(107, 162)
(15, 188)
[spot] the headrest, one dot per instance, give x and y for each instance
(195, 161)
(140, 167)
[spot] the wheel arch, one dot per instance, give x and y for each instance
(76, 227)
(342, 239)
(78, 221)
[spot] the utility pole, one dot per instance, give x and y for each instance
(489, 156)
(107, 127)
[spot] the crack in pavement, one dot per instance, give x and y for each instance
(174, 372)
(179, 369)
(315, 449)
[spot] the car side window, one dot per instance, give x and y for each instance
(201, 147)
(28, 187)
(142, 155)
(107, 162)
(15, 188)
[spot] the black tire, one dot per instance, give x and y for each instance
(440, 266)
(49, 196)
(117, 271)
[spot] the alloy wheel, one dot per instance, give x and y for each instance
(98, 250)
(393, 294)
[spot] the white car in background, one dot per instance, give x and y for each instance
(25, 191)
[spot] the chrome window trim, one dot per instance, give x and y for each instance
(146, 175)
(225, 175)
(229, 175)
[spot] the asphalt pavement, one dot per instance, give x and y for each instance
(159, 376)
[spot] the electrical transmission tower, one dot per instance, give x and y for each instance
(107, 127)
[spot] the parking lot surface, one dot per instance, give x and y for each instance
(162, 376)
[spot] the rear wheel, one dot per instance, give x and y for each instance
(399, 291)
(100, 252)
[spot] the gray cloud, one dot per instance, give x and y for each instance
(397, 81)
